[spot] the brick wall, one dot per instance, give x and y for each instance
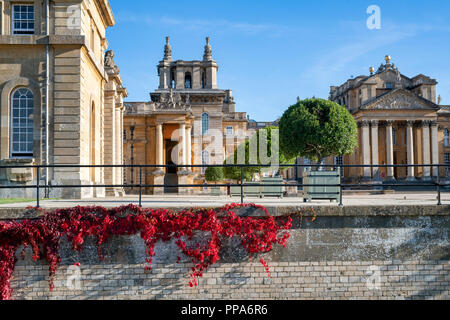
(291, 280)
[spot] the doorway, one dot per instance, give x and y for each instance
(171, 177)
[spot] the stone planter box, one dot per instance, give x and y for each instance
(256, 190)
(321, 192)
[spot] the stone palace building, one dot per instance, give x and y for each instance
(62, 103)
(400, 120)
(61, 96)
(189, 120)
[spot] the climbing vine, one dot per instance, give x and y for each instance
(43, 235)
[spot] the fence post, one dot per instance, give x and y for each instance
(242, 185)
(340, 187)
(439, 186)
(140, 187)
(38, 178)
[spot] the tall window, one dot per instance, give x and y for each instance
(23, 19)
(22, 109)
(205, 123)
(394, 136)
(447, 162)
(446, 138)
(188, 81)
(229, 131)
(205, 160)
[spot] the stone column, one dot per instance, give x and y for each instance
(182, 146)
(159, 144)
(157, 177)
(389, 150)
(188, 147)
(365, 139)
(426, 149)
(375, 171)
(434, 147)
(410, 148)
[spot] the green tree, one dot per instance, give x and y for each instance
(316, 129)
(244, 148)
(214, 174)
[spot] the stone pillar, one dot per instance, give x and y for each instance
(435, 147)
(182, 146)
(365, 139)
(188, 147)
(375, 161)
(157, 177)
(389, 150)
(159, 144)
(410, 148)
(426, 149)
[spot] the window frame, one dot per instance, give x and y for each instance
(205, 115)
(22, 32)
(28, 154)
(446, 138)
(187, 76)
(227, 133)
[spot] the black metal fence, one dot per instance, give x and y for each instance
(435, 184)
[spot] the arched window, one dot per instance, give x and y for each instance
(446, 138)
(188, 81)
(205, 123)
(205, 160)
(22, 109)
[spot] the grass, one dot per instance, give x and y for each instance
(19, 200)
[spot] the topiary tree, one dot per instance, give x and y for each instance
(248, 172)
(316, 129)
(214, 174)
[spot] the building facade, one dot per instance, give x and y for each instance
(189, 120)
(400, 121)
(61, 96)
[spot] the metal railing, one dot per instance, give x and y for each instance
(435, 183)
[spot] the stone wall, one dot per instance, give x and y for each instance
(345, 253)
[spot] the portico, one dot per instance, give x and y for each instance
(400, 141)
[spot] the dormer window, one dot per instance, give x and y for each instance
(188, 81)
(389, 85)
(23, 19)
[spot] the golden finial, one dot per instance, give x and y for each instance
(388, 59)
(371, 70)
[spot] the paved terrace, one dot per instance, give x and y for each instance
(174, 201)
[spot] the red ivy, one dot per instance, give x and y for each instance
(43, 235)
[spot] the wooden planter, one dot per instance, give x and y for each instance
(321, 192)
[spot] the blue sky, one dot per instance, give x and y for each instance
(270, 52)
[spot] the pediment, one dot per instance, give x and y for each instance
(400, 99)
